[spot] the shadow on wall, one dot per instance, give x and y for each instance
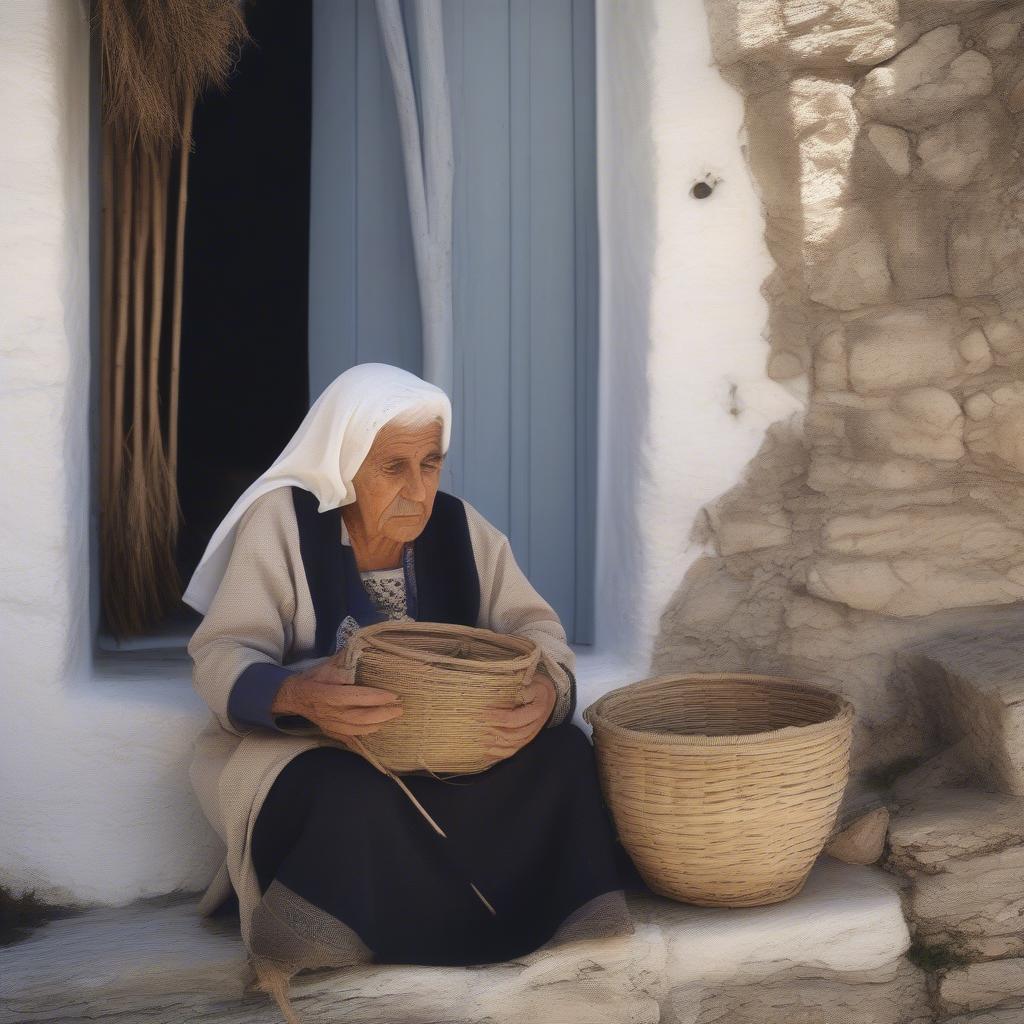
(629, 230)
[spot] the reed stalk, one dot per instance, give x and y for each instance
(163, 496)
(179, 279)
(106, 310)
(124, 164)
(157, 57)
(138, 521)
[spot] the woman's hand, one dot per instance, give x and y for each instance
(512, 728)
(328, 697)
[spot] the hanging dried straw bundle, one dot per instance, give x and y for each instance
(157, 56)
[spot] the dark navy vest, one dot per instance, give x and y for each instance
(447, 587)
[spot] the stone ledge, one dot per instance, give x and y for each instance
(839, 943)
(982, 986)
(973, 683)
(1012, 1014)
(952, 824)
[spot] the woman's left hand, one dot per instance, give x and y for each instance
(512, 728)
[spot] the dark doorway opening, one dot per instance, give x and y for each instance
(244, 359)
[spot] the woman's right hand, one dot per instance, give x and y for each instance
(328, 697)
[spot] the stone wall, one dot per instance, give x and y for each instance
(884, 140)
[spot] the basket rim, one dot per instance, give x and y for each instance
(371, 640)
(841, 718)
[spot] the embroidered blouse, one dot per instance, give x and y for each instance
(386, 589)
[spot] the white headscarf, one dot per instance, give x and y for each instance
(325, 453)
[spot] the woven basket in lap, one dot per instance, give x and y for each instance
(446, 675)
(723, 788)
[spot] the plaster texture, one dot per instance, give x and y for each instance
(94, 799)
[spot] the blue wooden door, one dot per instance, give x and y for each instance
(521, 77)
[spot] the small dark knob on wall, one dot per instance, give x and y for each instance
(701, 190)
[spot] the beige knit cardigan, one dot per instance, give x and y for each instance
(263, 612)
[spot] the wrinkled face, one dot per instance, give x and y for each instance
(396, 484)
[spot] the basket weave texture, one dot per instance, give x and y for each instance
(723, 787)
(446, 675)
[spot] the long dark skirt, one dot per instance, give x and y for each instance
(532, 833)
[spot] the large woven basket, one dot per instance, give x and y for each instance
(723, 787)
(446, 675)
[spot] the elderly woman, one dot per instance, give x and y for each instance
(331, 863)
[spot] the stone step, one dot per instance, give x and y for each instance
(963, 851)
(837, 947)
(985, 986)
(953, 823)
(972, 681)
(1010, 1014)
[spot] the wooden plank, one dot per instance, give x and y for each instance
(521, 78)
(479, 78)
(333, 266)
(587, 311)
(520, 140)
(552, 444)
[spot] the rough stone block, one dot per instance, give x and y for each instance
(986, 244)
(906, 587)
(951, 535)
(981, 986)
(845, 256)
(921, 423)
(927, 82)
(793, 998)
(829, 473)
(751, 532)
(829, 362)
(1010, 1014)
(892, 145)
(1015, 99)
(994, 434)
(944, 770)
(921, 343)
(915, 235)
(951, 824)
(978, 897)
(1002, 29)
(958, 151)
(863, 841)
(793, 32)
(1005, 339)
(973, 682)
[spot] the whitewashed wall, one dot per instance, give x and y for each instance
(94, 798)
(94, 795)
(681, 310)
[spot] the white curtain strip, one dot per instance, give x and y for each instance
(429, 161)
